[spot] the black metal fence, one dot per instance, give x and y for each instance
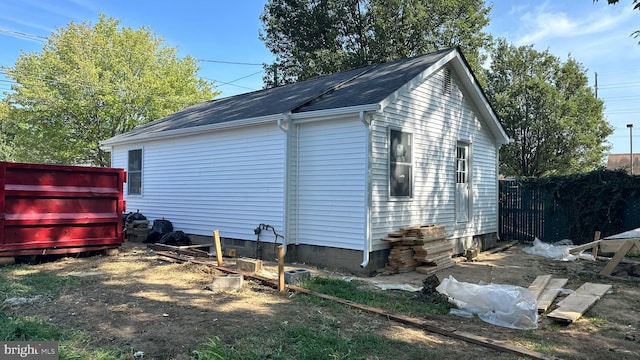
(529, 212)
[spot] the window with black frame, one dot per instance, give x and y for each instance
(400, 164)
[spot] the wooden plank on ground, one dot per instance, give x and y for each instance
(578, 303)
(538, 285)
(550, 293)
(615, 260)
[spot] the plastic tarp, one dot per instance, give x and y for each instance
(503, 305)
(557, 252)
(405, 287)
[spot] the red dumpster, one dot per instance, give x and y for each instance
(53, 209)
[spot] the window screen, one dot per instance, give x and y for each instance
(134, 169)
(400, 164)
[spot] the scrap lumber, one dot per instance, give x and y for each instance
(550, 293)
(575, 305)
(191, 250)
(497, 249)
(433, 247)
(622, 252)
(539, 284)
(418, 245)
(401, 259)
(406, 320)
(592, 245)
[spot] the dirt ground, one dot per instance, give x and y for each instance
(166, 309)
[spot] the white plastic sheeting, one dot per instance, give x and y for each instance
(557, 252)
(503, 305)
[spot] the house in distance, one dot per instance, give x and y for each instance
(332, 163)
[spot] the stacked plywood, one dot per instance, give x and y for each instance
(435, 250)
(417, 247)
(401, 259)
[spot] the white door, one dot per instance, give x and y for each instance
(462, 182)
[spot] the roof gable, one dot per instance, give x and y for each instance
(622, 161)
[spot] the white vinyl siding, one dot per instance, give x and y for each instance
(229, 180)
(437, 122)
(328, 184)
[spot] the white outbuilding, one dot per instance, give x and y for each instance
(332, 164)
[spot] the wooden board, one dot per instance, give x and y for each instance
(550, 293)
(578, 303)
(538, 285)
(615, 260)
(437, 258)
(612, 246)
(428, 270)
(433, 248)
(396, 234)
(584, 247)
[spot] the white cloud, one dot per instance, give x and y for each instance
(542, 24)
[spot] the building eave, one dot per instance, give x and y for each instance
(167, 134)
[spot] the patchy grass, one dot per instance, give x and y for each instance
(398, 302)
(71, 344)
(535, 341)
(322, 338)
(303, 342)
(26, 280)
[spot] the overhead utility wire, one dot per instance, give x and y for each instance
(43, 39)
(175, 99)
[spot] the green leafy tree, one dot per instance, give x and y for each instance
(90, 83)
(318, 37)
(5, 137)
(636, 3)
(548, 109)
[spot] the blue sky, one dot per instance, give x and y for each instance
(597, 35)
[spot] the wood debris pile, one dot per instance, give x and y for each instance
(421, 248)
(545, 289)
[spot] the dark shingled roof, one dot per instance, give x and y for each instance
(622, 161)
(362, 86)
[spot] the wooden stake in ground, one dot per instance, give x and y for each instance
(216, 238)
(281, 268)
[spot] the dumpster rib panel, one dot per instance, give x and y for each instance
(66, 208)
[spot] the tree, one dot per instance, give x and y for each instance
(90, 83)
(5, 150)
(548, 109)
(636, 3)
(636, 6)
(318, 37)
